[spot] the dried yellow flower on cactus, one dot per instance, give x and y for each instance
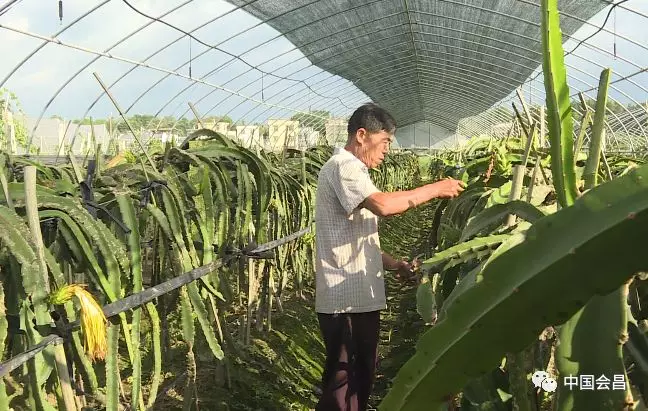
(93, 320)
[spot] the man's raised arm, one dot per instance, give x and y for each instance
(386, 204)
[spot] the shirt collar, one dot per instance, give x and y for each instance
(346, 153)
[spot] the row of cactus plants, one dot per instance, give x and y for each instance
(120, 228)
(113, 228)
(532, 267)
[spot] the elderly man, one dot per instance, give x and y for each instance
(350, 289)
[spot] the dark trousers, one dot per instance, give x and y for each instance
(351, 342)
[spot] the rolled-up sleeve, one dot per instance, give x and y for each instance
(352, 184)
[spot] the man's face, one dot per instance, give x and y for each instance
(374, 146)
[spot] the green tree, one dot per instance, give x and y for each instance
(9, 103)
(184, 125)
(217, 119)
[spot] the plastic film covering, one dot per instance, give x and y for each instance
(448, 70)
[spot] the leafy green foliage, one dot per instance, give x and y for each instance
(486, 318)
(196, 205)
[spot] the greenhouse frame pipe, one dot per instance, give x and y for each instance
(69, 80)
(374, 71)
(448, 75)
(585, 44)
(540, 96)
(225, 99)
(271, 115)
(282, 91)
(454, 84)
(621, 123)
(602, 28)
(606, 122)
(427, 13)
(44, 43)
(283, 34)
(388, 63)
(613, 134)
(387, 47)
(178, 94)
(624, 7)
(266, 20)
(337, 80)
(330, 76)
(591, 61)
(222, 65)
(643, 70)
(257, 107)
(196, 102)
(292, 62)
(255, 47)
(130, 61)
(204, 52)
(422, 33)
(489, 55)
(584, 22)
(423, 24)
(330, 35)
(504, 59)
(576, 78)
(463, 79)
(158, 51)
(7, 6)
(578, 19)
(471, 33)
(379, 70)
(209, 93)
(234, 56)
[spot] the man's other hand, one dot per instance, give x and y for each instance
(405, 271)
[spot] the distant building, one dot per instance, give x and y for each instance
(83, 142)
(57, 136)
(48, 136)
(163, 135)
(218, 126)
(125, 142)
(249, 136)
(282, 133)
(308, 137)
(336, 130)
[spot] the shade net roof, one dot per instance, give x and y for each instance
(436, 61)
(446, 69)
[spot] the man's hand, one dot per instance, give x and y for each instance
(405, 270)
(447, 188)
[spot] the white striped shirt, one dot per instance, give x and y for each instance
(349, 269)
